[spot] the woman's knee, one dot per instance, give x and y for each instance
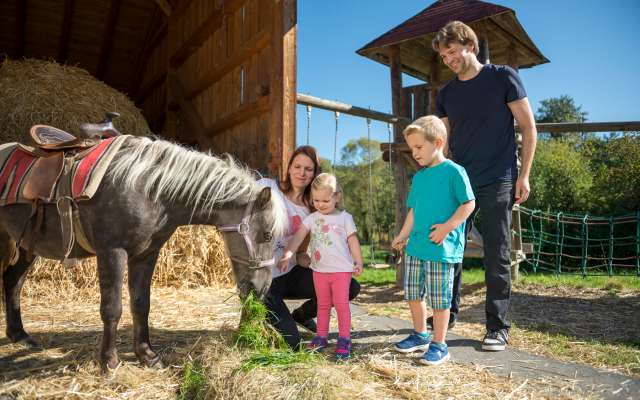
(354, 289)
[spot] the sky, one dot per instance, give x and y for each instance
(592, 46)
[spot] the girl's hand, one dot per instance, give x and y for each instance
(398, 243)
(438, 233)
(357, 269)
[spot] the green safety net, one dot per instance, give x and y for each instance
(567, 243)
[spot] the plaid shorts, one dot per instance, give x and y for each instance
(428, 280)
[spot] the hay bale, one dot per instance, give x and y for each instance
(43, 92)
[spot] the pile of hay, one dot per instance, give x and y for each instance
(194, 256)
(42, 92)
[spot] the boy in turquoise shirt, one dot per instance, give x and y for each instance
(440, 201)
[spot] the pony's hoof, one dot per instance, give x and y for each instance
(109, 364)
(155, 363)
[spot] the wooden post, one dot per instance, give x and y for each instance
(282, 136)
(434, 81)
(483, 55)
(400, 170)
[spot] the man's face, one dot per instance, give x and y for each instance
(457, 57)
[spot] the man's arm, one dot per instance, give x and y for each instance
(447, 152)
(523, 115)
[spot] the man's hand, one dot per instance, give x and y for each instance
(438, 233)
(522, 190)
(303, 259)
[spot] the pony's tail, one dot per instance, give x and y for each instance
(8, 256)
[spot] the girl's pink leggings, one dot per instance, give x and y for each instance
(332, 289)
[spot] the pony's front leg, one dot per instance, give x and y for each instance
(110, 271)
(140, 274)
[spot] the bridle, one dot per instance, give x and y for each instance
(244, 229)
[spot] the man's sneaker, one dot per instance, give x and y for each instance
(495, 340)
(413, 342)
(343, 348)
(317, 344)
(436, 355)
(452, 322)
(307, 323)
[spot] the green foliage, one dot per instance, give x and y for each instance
(374, 215)
(560, 109)
(194, 383)
(284, 358)
(560, 177)
(377, 277)
(615, 162)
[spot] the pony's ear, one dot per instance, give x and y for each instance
(263, 199)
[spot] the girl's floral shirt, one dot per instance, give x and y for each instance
(328, 245)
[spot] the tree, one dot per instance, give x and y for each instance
(560, 109)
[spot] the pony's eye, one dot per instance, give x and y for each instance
(266, 236)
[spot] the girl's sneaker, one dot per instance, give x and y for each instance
(436, 355)
(343, 348)
(317, 344)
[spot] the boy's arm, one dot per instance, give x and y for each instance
(293, 245)
(400, 240)
(356, 254)
(440, 231)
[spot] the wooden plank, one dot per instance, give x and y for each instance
(511, 38)
(282, 85)
(21, 22)
(203, 32)
(107, 38)
(164, 6)
(345, 108)
(188, 110)
(240, 115)
(152, 40)
(242, 54)
(150, 87)
(67, 22)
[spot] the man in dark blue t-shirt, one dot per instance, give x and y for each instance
(478, 107)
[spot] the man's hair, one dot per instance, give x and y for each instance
(326, 181)
(430, 127)
(455, 31)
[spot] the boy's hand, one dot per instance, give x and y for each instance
(438, 233)
(398, 243)
(357, 269)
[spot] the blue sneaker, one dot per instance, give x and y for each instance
(343, 348)
(436, 355)
(413, 342)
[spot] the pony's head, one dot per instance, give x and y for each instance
(250, 243)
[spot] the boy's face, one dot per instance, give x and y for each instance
(422, 150)
(457, 57)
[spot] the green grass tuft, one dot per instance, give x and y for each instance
(255, 332)
(284, 358)
(194, 383)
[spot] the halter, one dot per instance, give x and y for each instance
(244, 230)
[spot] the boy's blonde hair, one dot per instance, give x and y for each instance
(455, 31)
(326, 181)
(430, 127)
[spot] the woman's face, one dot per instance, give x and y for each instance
(301, 171)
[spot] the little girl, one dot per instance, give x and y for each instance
(333, 246)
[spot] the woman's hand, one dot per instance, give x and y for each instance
(283, 264)
(303, 259)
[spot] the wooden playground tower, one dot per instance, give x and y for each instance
(407, 49)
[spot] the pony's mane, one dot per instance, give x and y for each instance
(165, 170)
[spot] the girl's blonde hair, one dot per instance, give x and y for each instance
(326, 181)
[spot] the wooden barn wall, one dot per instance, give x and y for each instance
(225, 74)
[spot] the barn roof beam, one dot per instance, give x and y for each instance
(107, 38)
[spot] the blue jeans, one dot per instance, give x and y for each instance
(495, 202)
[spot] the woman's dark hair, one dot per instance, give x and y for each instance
(285, 185)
